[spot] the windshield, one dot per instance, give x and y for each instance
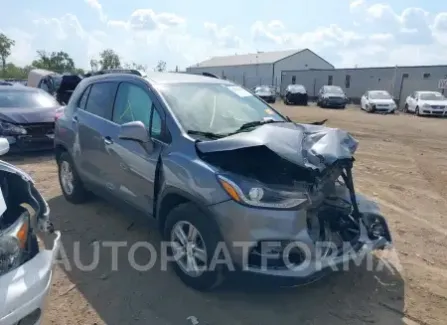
(26, 99)
(296, 88)
(216, 108)
(334, 90)
(379, 95)
(263, 88)
(431, 96)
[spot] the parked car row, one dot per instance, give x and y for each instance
(373, 101)
(202, 168)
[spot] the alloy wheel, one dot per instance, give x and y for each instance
(188, 248)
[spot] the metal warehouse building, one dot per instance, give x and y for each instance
(262, 68)
(399, 81)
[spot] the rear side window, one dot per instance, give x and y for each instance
(100, 100)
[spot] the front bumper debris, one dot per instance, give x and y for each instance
(23, 291)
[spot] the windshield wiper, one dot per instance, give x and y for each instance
(206, 134)
(249, 125)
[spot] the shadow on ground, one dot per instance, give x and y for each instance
(129, 296)
(19, 159)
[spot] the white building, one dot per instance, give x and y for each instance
(262, 68)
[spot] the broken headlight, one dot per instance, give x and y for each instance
(7, 128)
(12, 243)
(256, 194)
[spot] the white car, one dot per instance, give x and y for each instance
(378, 101)
(426, 103)
(25, 268)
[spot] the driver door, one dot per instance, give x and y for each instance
(135, 166)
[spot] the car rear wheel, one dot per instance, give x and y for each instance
(194, 239)
(69, 180)
(406, 108)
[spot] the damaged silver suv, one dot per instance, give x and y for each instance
(233, 184)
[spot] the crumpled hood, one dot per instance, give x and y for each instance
(310, 146)
(28, 115)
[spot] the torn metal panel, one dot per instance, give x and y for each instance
(311, 146)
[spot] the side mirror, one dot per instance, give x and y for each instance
(4, 146)
(135, 131)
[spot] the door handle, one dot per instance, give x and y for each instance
(108, 140)
(75, 119)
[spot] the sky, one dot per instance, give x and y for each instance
(347, 33)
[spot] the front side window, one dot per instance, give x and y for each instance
(132, 103)
(13, 98)
(100, 99)
(214, 107)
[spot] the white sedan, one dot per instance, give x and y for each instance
(426, 103)
(378, 101)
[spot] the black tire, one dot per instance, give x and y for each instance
(343, 107)
(209, 279)
(286, 102)
(79, 194)
(416, 111)
(406, 108)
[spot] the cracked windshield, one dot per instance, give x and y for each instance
(243, 163)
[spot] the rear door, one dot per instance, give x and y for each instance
(93, 123)
(134, 165)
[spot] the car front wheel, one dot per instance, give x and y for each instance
(69, 180)
(194, 240)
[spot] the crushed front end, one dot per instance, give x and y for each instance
(299, 215)
(25, 264)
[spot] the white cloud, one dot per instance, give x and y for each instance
(224, 36)
(379, 36)
(98, 7)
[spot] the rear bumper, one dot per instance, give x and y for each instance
(23, 291)
(297, 98)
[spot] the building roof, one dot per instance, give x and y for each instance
(246, 59)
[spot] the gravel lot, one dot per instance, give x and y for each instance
(401, 162)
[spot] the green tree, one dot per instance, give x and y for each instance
(161, 66)
(55, 61)
(6, 45)
(14, 72)
(135, 66)
(94, 65)
(109, 60)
